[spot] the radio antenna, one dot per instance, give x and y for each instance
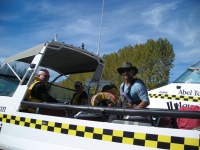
(100, 29)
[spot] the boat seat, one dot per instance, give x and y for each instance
(53, 112)
(134, 120)
(89, 116)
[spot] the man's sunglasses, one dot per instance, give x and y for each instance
(44, 76)
(77, 86)
(126, 70)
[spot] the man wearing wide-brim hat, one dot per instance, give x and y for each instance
(133, 90)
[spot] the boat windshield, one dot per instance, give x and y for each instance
(192, 75)
(10, 77)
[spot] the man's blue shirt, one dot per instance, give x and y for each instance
(137, 92)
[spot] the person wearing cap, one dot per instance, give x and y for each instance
(80, 97)
(37, 92)
(133, 90)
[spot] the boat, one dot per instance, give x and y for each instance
(184, 91)
(51, 127)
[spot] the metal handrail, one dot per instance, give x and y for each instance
(118, 111)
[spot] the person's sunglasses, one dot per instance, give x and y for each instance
(77, 86)
(44, 76)
(126, 70)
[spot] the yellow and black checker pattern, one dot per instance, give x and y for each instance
(117, 136)
(175, 97)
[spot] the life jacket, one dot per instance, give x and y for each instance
(102, 97)
(75, 100)
(28, 97)
(127, 96)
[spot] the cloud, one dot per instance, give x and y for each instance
(156, 13)
(81, 26)
(190, 36)
(9, 17)
(135, 38)
(179, 24)
(189, 53)
(1, 60)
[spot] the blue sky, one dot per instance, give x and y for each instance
(27, 23)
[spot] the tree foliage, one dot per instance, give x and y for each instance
(69, 82)
(154, 59)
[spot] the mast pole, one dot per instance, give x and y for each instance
(98, 51)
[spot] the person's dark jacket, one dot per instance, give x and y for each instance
(39, 91)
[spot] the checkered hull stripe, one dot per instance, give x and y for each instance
(175, 97)
(118, 136)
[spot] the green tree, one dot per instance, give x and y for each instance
(69, 82)
(154, 59)
(110, 68)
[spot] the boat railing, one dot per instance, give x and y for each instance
(117, 111)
